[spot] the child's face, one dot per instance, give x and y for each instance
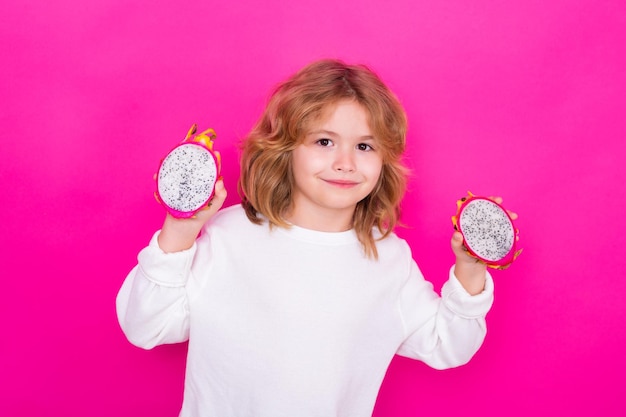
(337, 165)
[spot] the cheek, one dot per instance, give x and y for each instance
(309, 162)
(303, 166)
(373, 174)
(374, 168)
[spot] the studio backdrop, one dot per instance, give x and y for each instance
(522, 99)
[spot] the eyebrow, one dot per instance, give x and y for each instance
(331, 133)
(322, 131)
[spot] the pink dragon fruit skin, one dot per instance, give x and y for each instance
(488, 231)
(185, 181)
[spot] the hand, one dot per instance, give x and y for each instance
(469, 270)
(180, 234)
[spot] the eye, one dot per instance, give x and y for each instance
(364, 147)
(324, 142)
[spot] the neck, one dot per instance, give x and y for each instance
(322, 221)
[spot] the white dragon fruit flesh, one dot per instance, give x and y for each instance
(488, 231)
(187, 175)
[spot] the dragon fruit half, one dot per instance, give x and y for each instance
(488, 231)
(187, 175)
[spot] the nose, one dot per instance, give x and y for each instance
(344, 161)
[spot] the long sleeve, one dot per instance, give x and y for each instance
(152, 305)
(273, 315)
(443, 332)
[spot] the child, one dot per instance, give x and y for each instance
(295, 301)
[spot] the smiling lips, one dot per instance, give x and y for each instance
(341, 183)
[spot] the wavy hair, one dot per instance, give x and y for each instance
(266, 181)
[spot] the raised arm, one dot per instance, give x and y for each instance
(152, 306)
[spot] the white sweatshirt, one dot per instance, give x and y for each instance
(293, 322)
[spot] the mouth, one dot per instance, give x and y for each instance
(341, 183)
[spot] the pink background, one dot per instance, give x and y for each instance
(520, 99)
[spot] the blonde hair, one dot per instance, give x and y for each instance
(266, 180)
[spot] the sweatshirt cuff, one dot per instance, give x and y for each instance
(166, 269)
(462, 303)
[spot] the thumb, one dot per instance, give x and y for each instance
(213, 206)
(220, 193)
(457, 244)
